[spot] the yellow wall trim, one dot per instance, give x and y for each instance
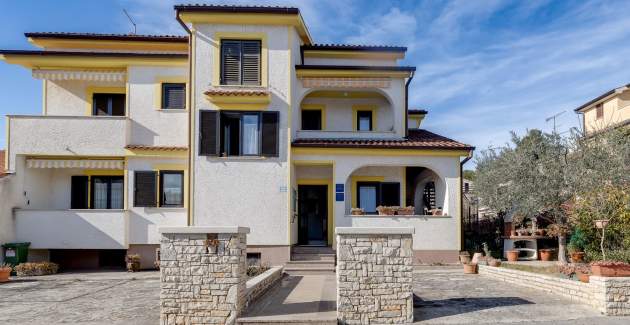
(104, 172)
(95, 62)
(264, 53)
(159, 80)
(108, 44)
(365, 107)
(90, 91)
(344, 94)
(316, 107)
(379, 152)
(350, 73)
(156, 153)
(340, 54)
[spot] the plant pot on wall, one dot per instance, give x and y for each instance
(610, 269)
(386, 211)
(583, 277)
(577, 257)
(470, 268)
(512, 255)
(5, 272)
(494, 262)
(546, 254)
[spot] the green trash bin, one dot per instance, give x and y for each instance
(15, 253)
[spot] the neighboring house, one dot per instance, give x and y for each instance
(609, 110)
(244, 122)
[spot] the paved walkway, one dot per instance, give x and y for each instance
(447, 296)
(311, 297)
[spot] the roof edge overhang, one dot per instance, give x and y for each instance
(305, 149)
(418, 112)
(246, 15)
(605, 96)
(108, 41)
(67, 59)
(353, 51)
(353, 71)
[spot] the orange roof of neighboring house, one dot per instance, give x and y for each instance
(417, 139)
(158, 148)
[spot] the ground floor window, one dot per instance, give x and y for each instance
(370, 195)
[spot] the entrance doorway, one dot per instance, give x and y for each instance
(312, 215)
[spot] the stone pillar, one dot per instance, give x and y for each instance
(612, 295)
(374, 275)
(203, 274)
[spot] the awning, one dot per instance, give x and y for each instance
(75, 163)
(85, 75)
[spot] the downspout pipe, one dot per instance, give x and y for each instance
(407, 103)
(461, 199)
(190, 112)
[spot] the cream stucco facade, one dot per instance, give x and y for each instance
(363, 135)
(611, 109)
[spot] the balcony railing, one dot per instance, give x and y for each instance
(68, 135)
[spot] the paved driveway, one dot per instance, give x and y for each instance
(447, 296)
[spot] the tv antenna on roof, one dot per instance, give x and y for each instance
(131, 20)
(553, 117)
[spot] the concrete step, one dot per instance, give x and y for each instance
(312, 250)
(312, 257)
(279, 320)
(309, 269)
(310, 264)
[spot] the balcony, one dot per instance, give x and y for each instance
(67, 135)
(72, 229)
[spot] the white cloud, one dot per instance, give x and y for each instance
(393, 28)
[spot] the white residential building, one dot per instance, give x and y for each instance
(245, 121)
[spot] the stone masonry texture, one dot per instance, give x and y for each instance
(374, 279)
(202, 278)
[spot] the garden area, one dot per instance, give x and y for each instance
(561, 198)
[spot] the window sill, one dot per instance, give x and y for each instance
(173, 110)
(236, 158)
(162, 209)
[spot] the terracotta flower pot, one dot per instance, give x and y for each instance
(470, 268)
(577, 257)
(512, 256)
(583, 277)
(618, 270)
(494, 262)
(545, 254)
(4, 274)
(464, 259)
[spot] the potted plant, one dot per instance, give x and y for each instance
(494, 262)
(36, 268)
(357, 211)
(576, 246)
(386, 211)
(610, 269)
(133, 262)
(464, 257)
(512, 255)
(5, 271)
(406, 211)
(546, 254)
(470, 268)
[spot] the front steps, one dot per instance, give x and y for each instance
(311, 260)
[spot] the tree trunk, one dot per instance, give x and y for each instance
(562, 249)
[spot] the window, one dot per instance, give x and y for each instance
(172, 188)
(144, 189)
(364, 120)
(599, 111)
(108, 104)
(428, 197)
(372, 194)
(238, 133)
(173, 96)
(240, 62)
(311, 119)
(107, 192)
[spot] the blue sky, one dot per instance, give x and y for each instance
(483, 67)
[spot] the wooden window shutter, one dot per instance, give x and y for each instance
(145, 190)
(79, 192)
(251, 63)
(270, 134)
(173, 96)
(230, 62)
(208, 131)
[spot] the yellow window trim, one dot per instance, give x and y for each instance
(105, 172)
(159, 80)
(330, 222)
(344, 94)
(379, 152)
(316, 107)
(157, 168)
(90, 91)
(364, 107)
(356, 179)
(264, 54)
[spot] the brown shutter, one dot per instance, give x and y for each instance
(230, 62)
(251, 63)
(145, 190)
(270, 133)
(79, 192)
(208, 130)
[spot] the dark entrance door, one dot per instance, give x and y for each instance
(312, 214)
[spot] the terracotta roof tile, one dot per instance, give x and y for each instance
(158, 148)
(417, 139)
(227, 91)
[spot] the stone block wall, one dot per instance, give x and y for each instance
(610, 296)
(203, 274)
(374, 275)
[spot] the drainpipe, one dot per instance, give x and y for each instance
(461, 199)
(190, 112)
(407, 103)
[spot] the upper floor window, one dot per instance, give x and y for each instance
(171, 188)
(108, 104)
(599, 111)
(236, 133)
(104, 192)
(311, 119)
(173, 96)
(364, 121)
(240, 62)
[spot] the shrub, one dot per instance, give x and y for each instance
(254, 270)
(39, 268)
